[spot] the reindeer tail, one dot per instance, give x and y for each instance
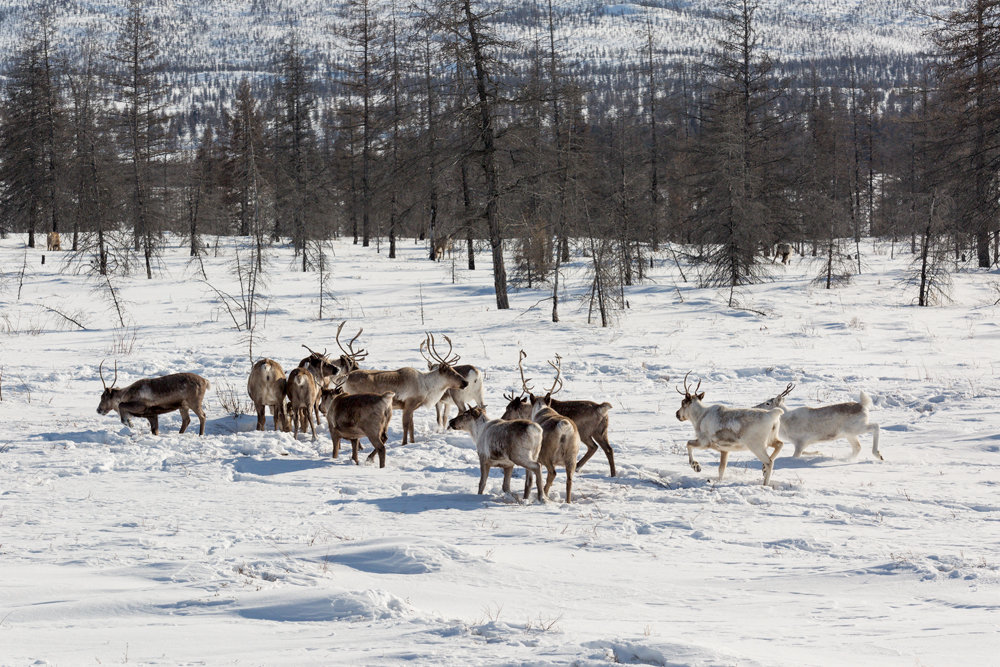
(865, 401)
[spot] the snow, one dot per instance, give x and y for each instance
(245, 547)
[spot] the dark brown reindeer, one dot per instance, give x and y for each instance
(354, 416)
(590, 418)
(412, 388)
(151, 397)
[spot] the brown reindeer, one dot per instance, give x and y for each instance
(353, 416)
(303, 395)
(443, 244)
(412, 388)
(325, 369)
(266, 387)
(560, 446)
(590, 418)
(151, 397)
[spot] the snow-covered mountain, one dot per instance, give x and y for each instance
(208, 37)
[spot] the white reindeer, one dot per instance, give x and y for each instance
(727, 429)
(502, 444)
(805, 426)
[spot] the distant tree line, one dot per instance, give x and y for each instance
(422, 128)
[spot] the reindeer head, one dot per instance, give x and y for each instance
(519, 406)
(778, 401)
(465, 419)
(348, 361)
(110, 397)
(690, 398)
(443, 365)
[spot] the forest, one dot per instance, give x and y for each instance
(426, 127)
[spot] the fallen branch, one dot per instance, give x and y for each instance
(535, 305)
(63, 315)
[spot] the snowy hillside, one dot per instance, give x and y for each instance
(256, 548)
(214, 40)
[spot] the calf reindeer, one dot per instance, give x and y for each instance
(52, 242)
(152, 397)
(266, 387)
(805, 426)
(412, 388)
(503, 444)
(590, 418)
(729, 429)
(353, 416)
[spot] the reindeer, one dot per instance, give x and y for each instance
(52, 242)
(472, 394)
(412, 388)
(729, 429)
(503, 444)
(325, 369)
(266, 387)
(152, 397)
(782, 250)
(805, 426)
(590, 418)
(353, 416)
(443, 244)
(303, 397)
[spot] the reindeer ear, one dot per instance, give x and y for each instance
(701, 395)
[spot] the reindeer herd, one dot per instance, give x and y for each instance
(535, 431)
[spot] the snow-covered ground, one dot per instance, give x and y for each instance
(256, 548)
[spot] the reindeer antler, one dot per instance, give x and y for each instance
(687, 391)
(314, 352)
(448, 359)
(100, 371)
(558, 380)
(350, 352)
(787, 391)
(525, 387)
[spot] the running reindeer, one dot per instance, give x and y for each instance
(805, 426)
(590, 418)
(729, 430)
(152, 397)
(412, 388)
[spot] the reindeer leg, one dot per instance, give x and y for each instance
(760, 451)
(591, 450)
(602, 440)
(261, 419)
(855, 446)
(527, 484)
(507, 472)
(693, 445)
(484, 473)
(355, 448)
(723, 460)
(873, 429)
(538, 481)
(154, 424)
(550, 477)
(200, 412)
(185, 419)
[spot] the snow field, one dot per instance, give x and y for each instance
(245, 547)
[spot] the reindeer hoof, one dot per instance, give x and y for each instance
(696, 466)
